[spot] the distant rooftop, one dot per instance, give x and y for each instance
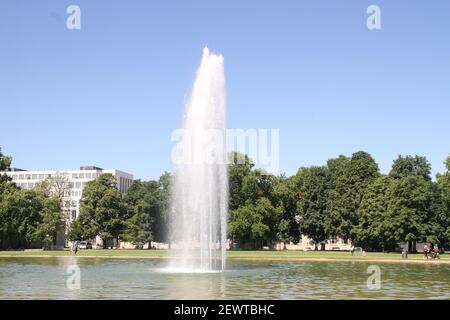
(16, 169)
(90, 168)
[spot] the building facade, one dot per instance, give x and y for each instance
(68, 184)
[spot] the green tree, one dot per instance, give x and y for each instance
(255, 225)
(144, 209)
(443, 188)
(374, 231)
(287, 195)
(412, 216)
(349, 179)
(50, 220)
(411, 166)
(314, 185)
(240, 184)
(396, 210)
(162, 219)
(101, 211)
(5, 161)
(26, 216)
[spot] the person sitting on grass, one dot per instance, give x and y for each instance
(435, 252)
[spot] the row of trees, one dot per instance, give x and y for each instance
(347, 198)
(27, 217)
(138, 216)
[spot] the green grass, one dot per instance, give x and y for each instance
(288, 255)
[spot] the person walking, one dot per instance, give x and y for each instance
(75, 247)
(425, 251)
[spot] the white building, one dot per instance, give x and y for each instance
(69, 184)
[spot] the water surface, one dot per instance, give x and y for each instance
(102, 278)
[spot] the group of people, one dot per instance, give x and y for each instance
(431, 253)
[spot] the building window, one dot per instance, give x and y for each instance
(74, 214)
(27, 176)
(88, 175)
(20, 176)
(74, 176)
(34, 176)
(41, 176)
(77, 185)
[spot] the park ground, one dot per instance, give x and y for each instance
(261, 255)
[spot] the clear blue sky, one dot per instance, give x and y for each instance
(111, 93)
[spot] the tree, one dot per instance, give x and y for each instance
(411, 214)
(162, 219)
(26, 216)
(101, 211)
(396, 210)
(254, 225)
(144, 209)
(239, 169)
(411, 166)
(443, 189)
(349, 179)
(287, 195)
(5, 161)
(374, 231)
(57, 186)
(253, 197)
(314, 184)
(49, 222)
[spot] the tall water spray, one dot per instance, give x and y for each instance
(199, 193)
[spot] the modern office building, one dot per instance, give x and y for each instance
(68, 184)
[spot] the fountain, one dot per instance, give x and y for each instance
(199, 194)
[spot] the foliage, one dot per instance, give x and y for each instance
(313, 188)
(146, 204)
(411, 166)
(101, 211)
(5, 161)
(26, 216)
(346, 198)
(286, 197)
(253, 225)
(350, 177)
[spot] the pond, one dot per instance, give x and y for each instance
(103, 278)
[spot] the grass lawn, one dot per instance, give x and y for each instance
(288, 255)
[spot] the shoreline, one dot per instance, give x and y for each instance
(266, 259)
